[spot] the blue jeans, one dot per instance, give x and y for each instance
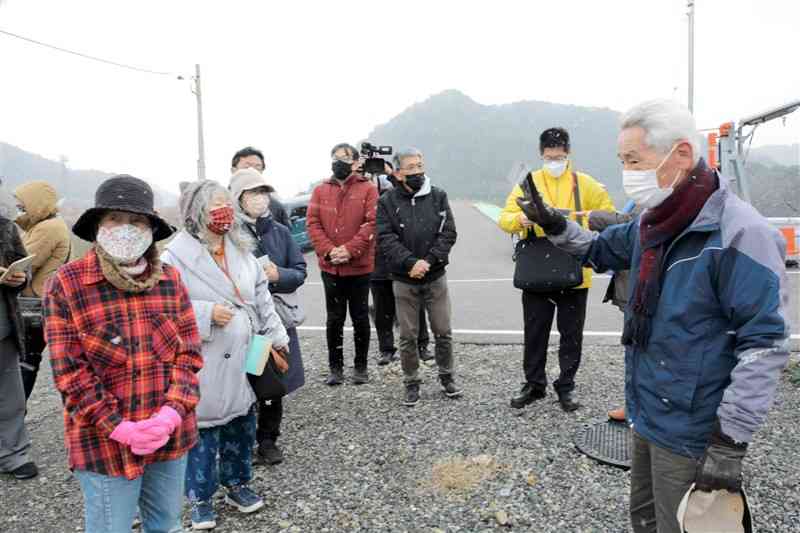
(233, 443)
(110, 503)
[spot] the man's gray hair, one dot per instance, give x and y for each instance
(404, 153)
(665, 123)
(195, 197)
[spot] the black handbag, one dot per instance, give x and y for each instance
(271, 384)
(540, 265)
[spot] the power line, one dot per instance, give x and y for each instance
(86, 56)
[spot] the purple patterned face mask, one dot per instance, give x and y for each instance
(125, 243)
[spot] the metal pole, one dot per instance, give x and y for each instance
(690, 5)
(201, 151)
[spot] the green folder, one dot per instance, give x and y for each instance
(258, 354)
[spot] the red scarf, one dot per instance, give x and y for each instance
(657, 228)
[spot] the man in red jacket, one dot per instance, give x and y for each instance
(341, 224)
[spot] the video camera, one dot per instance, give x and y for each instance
(374, 165)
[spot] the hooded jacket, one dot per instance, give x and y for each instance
(46, 234)
(414, 226)
(720, 333)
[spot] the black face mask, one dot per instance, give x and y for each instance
(341, 169)
(415, 181)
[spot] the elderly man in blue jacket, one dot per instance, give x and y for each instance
(706, 329)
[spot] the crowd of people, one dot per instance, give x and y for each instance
(150, 333)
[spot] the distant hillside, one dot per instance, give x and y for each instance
(775, 189)
(786, 155)
(478, 152)
(474, 151)
(77, 187)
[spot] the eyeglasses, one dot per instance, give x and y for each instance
(348, 160)
(558, 159)
(411, 168)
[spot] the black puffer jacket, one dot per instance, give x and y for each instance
(381, 271)
(11, 249)
(413, 227)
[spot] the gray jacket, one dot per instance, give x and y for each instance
(225, 393)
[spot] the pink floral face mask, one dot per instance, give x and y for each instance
(125, 243)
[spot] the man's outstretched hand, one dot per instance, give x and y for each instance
(550, 220)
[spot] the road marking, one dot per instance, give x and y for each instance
(510, 280)
(485, 280)
(502, 332)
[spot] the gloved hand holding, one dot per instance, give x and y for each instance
(600, 220)
(550, 220)
(168, 418)
(721, 466)
(144, 437)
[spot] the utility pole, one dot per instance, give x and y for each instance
(201, 150)
(690, 14)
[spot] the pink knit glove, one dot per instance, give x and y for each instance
(144, 437)
(168, 418)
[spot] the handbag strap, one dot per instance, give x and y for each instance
(577, 193)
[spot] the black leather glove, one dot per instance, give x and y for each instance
(600, 220)
(550, 220)
(721, 466)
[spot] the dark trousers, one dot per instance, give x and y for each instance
(538, 309)
(341, 293)
(31, 359)
(386, 314)
(270, 416)
(659, 480)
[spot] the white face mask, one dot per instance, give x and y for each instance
(642, 187)
(556, 168)
(256, 206)
(126, 243)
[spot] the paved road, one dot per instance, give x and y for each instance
(483, 295)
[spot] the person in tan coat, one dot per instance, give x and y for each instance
(46, 236)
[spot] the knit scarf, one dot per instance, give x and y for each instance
(658, 227)
(123, 281)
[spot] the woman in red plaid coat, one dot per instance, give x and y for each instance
(125, 352)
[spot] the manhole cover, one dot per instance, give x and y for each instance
(608, 442)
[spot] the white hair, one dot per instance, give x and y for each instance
(665, 122)
(404, 153)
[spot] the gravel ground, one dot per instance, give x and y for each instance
(357, 460)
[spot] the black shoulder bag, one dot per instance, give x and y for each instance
(540, 265)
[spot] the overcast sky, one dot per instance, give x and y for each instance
(294, 78)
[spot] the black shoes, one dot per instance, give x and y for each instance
(527, 396)
(360, 376)
(26, 471)
(269, 452)
(412, 394)
(336, 377)
(385, 358)
(449, 386)
(425, 354)
(567, 402)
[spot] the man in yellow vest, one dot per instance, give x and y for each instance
(556, 181)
